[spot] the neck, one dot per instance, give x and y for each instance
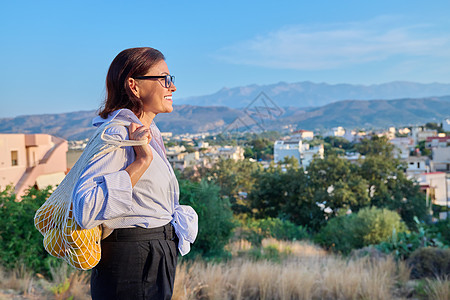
(147, 118)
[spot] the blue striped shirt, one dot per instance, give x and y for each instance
(104, 195)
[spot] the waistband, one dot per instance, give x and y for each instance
(135, 234)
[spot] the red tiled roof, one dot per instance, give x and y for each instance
(440, 138)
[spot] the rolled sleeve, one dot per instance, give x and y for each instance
(119, 189)
(104, 191)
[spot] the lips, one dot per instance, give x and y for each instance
(168, 98)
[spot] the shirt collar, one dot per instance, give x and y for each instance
(123, 114)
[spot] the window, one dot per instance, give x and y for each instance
(14, 161)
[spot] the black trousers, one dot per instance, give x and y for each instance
(136, 263)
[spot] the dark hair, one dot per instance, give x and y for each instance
(128, 63)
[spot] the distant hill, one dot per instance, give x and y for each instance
(309, 94)
(373, 113)
(192, 119)
(77, 125)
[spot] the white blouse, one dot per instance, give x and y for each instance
(104, 195)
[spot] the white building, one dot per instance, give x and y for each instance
(446, 125)
(435, 184)
(303, 153)
(402, 146)
(441, 158)
(418, 165)
(302, 135)
(336, 131)
(229, 152)
(183, 160)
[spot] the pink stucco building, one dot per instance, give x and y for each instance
(31, 160)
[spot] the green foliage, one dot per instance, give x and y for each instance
(261, 148)
(215, 218)
(336, 184)
(441, 228)
(284, 193)
(20, 242)
(375, 225)
(255, 230)
(378, 146)
(390, 188)
(337, 235)
(337, 145)
(234, 178)
(401, 245)
(429, 262)
(369, 226)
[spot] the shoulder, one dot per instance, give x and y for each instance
(117, 131)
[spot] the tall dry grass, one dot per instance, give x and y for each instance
(438, 289)
(305, 274)
(66, 283)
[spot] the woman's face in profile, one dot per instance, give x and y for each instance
(155, 97)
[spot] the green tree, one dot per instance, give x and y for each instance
(376, 146)
(20, 242)
(283, 192)
(336, 184)
(389, 187)
(235, 179)
(215, 217)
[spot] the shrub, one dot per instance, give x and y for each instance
(443, 228)
(20, 242)
(215, 217)
(402, 245)
(430, 262)
(374, 225)
(369, 226)
(255, 230)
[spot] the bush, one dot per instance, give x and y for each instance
(337, 235)
(255, 230)
(215, 218)
(20, 242)
(430, 262)
(402, 245)
(369, 226)
(442, 228)
(374, 225)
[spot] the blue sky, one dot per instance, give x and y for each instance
(54, 55)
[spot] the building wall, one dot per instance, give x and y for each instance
(438, 182)
(38, 154)
(441, 159)
(10, 174)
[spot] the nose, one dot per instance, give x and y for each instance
(172, 87)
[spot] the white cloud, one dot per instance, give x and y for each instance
(331, 46)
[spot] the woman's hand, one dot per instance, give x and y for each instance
(137, 132)
(144, 155)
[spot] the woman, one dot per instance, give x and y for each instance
(133, 190)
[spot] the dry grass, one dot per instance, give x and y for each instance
(20, 280)
(438, 289)
(66, 283)
(303, 272)
(317, 277)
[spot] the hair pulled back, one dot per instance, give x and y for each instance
(128, 63)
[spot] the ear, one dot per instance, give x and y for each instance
(132, 83)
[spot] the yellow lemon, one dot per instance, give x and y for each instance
(78, 237)
(85, 259)
(53, 242)
(43, 219)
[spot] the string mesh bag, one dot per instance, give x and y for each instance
(63, 237)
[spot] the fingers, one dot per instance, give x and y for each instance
(138, 132)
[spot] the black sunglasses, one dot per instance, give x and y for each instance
(168, 79)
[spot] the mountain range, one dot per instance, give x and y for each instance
(309, 94)
(303, 105)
